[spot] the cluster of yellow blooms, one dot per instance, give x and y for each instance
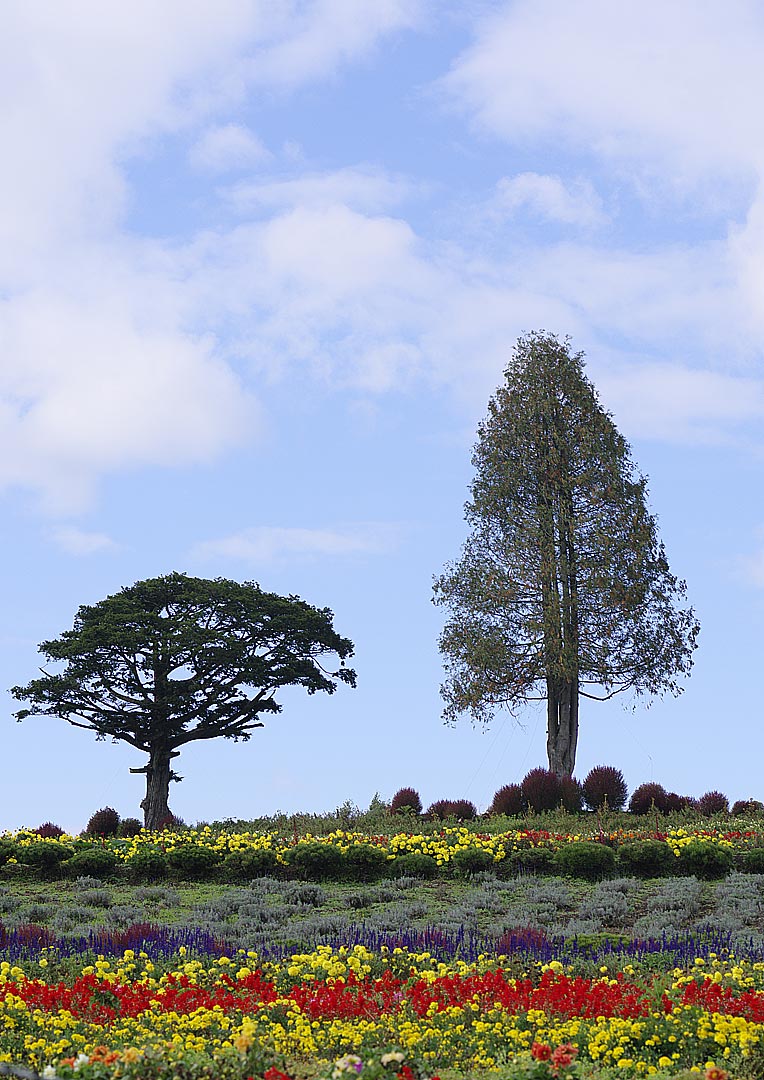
(331, 1002)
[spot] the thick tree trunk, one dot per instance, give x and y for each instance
(562, 726)
(155, 806)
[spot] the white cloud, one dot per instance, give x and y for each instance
(228, 147)
(265, 544)
(548, 198)
(356, 187)
(77, 541)
(674, 87)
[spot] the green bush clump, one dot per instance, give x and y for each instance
(249, 863)
(472, 860)
(315, 861)
(149, 864)
(414, 864)
(752, 861)
(364, 862)
(585, 859)
(95, 861)
(704, 860)
(535, 860)
(44, 856)
(129, 826)
(646, 858)
(193, 862)
(9, 849)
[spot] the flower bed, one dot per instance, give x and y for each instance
(237, 1016)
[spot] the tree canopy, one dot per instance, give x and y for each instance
(177, 659)
(562, 585)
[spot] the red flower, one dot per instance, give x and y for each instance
(541, 1051)
(405, 1073)
(716, 1073)
(563, 1055)
(275, 1074)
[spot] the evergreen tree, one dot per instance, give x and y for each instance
(562, 586)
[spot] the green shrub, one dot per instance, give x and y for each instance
(585, 859)
(193, 862)
(535, 860)
(472, 860)
(704, 860)
(9, 849)
(148, 864)
(95, 861)
(646, 858)
(752, 861)
(44, 856)
(414, 864)
(129, 826)
(315, 861)
(249, 863)
(364, 862)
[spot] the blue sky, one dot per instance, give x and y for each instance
(261, 267)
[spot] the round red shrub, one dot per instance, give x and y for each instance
(605, 786)
(508, 800)
(541, 788)
(407, 799)
(104, 822)
(571, 795)
(464, 810)
(713, 802)
(747, 806)
(647, 797)
(49, 831)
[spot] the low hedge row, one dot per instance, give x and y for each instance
(316, 861)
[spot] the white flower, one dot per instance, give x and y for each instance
(49, 1073)
(82, 1059)
(396, 1056)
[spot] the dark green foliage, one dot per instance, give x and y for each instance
(147, 865)
(104, 822)
(605, 786)
(9, 849)
(49, 830)
(406, 799)
(646, 858)
(536, 860)
(468, 861)
(747, 806)
(315, 861)
(414, 864)
(647, 797)
(752, 861)
(571, 795)
(193, 863)
(45, 857)
(364, 862)
(508, 800)
(585, 859)
(176, 659)
(541, 789)
(713, 802)
(129, 826)
(248, 864)
(562, 585)
(704, 860)
(95, 861)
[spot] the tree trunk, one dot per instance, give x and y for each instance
(155, 806)
(562, 726)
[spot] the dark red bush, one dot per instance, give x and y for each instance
(104, 822)
(647, 797)
(713, 802)
(172, 822)
(49, 831)
(605, 786)
(747, 806)
(33, 935)
(129, 826)
(464, 810)
(508, 800)
(406, 799)
(541, 788)
(571, 795)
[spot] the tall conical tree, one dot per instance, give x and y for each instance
(562, 586)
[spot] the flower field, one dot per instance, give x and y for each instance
(338, 968)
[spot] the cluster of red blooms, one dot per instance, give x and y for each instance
(559, 1058)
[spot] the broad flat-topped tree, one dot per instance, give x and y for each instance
(562, 586)
(177, 659)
